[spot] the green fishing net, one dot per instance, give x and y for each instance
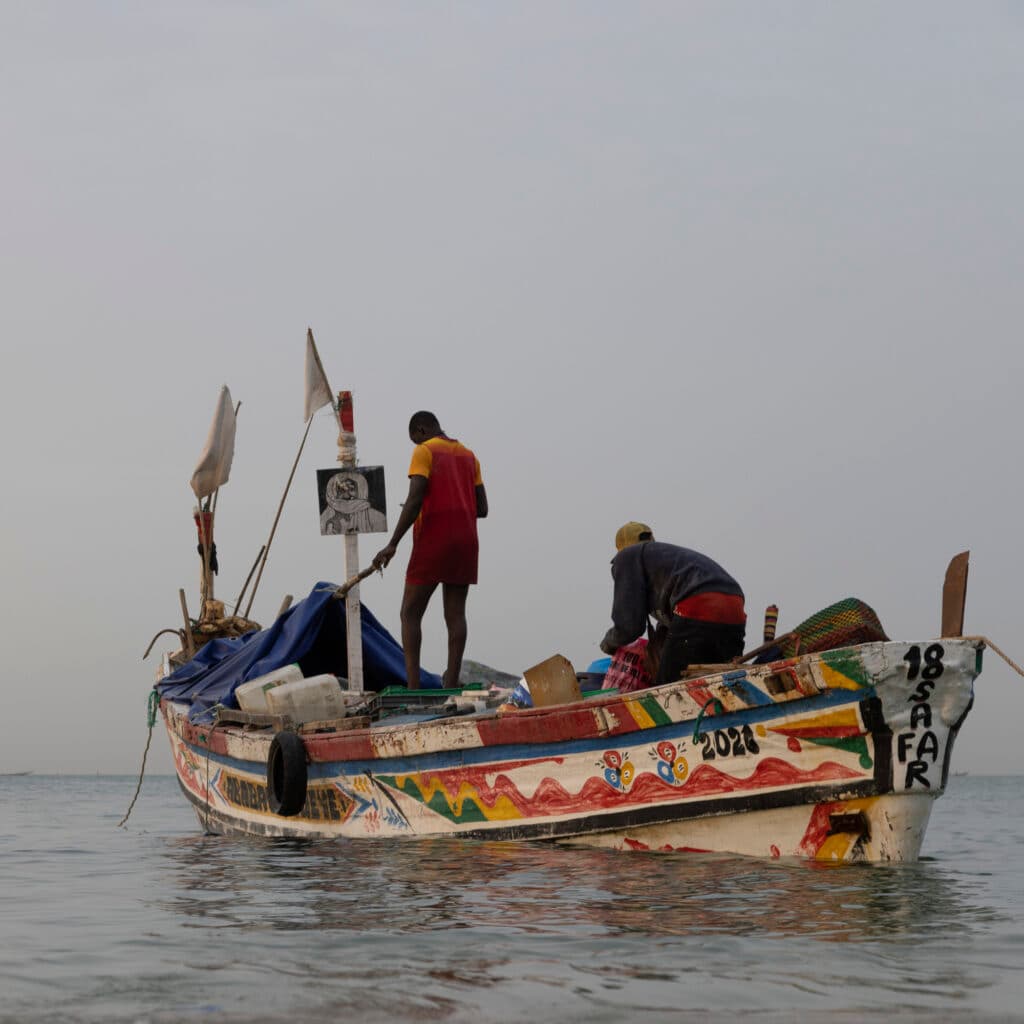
(842, 624)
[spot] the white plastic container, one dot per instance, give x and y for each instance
(318, 698)
(252, 696)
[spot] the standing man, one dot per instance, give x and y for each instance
(694, 597)
(446, 497)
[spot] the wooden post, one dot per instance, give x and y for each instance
(954, 595)
(204, 521)
(190, 647)
(353, 621)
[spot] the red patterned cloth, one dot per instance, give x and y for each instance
(627, 672)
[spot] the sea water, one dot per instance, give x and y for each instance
(157, 922)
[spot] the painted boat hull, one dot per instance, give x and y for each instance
(837, 756)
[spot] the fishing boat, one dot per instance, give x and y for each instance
(835, 755)
(835, 750)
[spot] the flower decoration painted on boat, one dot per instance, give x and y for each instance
(666, 751)
(672, 768)
(618, 769)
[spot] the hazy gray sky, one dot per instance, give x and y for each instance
(750, 272)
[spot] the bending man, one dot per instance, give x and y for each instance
(446, 497)
(694, 597)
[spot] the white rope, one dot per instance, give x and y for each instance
(347, 448)
(1009, 661)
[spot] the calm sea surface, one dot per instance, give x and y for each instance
(156, 922)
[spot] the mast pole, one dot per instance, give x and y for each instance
(353, 620)
(204, 525)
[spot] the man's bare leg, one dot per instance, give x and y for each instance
(455, 619)
(414, 604)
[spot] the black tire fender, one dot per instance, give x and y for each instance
(286, 774)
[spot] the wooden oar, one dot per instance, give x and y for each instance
(245, 586)
(358, 578)
(277, 517)
(767, 646)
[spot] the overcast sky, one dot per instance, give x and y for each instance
(749, 272)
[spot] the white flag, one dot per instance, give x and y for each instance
(318, 391)
(215, 463)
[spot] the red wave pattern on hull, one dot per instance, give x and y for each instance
(770, 773)
(551, 798)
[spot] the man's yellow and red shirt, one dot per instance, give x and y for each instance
(444, 538)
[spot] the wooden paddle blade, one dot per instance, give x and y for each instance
(954, 595)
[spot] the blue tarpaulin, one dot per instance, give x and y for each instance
(311, 633)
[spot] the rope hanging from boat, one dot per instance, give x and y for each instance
(151, 708)
(719, 710)
(988, 643)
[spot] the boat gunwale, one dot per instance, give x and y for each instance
(583, 721)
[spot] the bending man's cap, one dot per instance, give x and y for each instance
(632, 533)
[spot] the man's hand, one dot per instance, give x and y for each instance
(384, 556)
(410, 510)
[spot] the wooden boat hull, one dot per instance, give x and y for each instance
(836, 756)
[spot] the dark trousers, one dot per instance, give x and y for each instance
(692, 642)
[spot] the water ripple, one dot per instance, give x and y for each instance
(160, 923)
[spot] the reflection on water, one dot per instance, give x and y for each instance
(160, 924)
(525, 889)
(490, 924)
